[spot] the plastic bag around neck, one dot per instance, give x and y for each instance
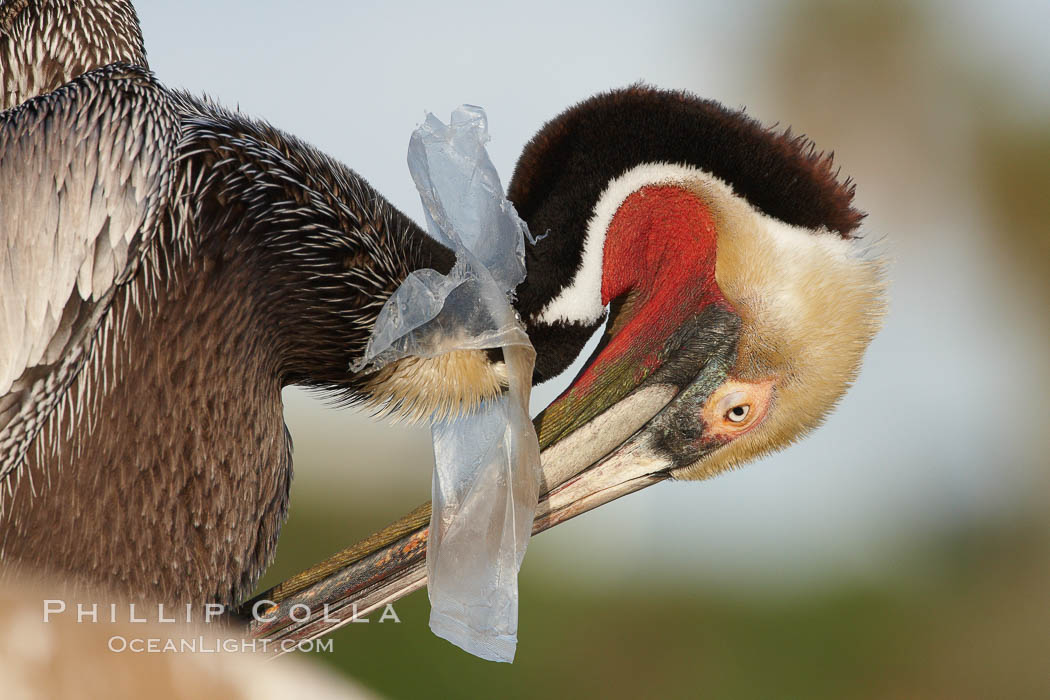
(486, 476)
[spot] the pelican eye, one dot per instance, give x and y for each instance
(738, 413)
(736, 407)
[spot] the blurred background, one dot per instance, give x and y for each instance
(903, 550)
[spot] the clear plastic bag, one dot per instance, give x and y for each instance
(486, 477)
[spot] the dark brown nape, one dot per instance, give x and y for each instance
(780, 174)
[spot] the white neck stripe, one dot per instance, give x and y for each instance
(581, 300)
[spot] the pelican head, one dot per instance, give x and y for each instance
(723, 259)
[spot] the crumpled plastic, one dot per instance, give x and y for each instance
(487, 468)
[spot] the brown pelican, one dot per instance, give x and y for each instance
(738, 301)
(168, 266)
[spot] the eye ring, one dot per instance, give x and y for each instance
(739, 413)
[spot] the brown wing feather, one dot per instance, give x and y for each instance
(46, 43)
(85, 172)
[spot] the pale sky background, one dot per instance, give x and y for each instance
(942, 429)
